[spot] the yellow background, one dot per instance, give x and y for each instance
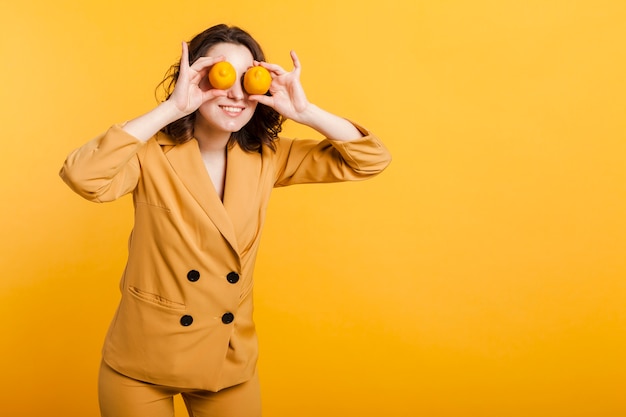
(483, 274)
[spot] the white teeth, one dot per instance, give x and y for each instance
(232, 109)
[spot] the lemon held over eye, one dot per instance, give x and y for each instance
(257, 80)
(222, 75)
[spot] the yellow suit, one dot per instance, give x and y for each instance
(185, 314)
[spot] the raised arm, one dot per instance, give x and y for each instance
(187, 96)
(288, 98)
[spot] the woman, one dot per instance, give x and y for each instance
(201, 166)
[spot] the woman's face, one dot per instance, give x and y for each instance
(234, 111)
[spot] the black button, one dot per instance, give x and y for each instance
(228, 318)
(232, 277)
(193, 275)
(186, 320)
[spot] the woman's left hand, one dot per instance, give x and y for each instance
(287, 95)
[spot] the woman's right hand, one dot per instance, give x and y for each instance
(192, 87)
(191, 90)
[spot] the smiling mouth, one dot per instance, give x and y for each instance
(231, 109)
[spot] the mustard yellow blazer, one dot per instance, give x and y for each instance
(185, 313)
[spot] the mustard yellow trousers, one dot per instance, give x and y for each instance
(121, 396)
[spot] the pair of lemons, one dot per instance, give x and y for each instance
(257, 79)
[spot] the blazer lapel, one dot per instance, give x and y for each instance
(186, 161)
(242, 190)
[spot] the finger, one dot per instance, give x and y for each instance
(184, 56)
(278, 70)
(273, 68)
(212, 94)
(205, 62)
(263, 99)
(295, 59)
(184, 62)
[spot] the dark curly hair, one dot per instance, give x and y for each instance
(266, 123)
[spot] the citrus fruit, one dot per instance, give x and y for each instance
(257, 80)
(222, 75)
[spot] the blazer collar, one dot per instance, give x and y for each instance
(242, 177)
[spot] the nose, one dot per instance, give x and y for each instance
(236, 92)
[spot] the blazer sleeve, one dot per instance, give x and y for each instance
(302, 161)
(104, 168)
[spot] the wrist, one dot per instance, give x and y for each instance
(330, 125)
(311, 116)
(169, 112)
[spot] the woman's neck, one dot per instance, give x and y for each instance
(210, 140)
(212, 143)
(214, 156)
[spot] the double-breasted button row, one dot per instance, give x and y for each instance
(186, 320)
(194, 276)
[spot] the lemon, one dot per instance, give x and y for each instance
(222, 75)
(257, 80)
